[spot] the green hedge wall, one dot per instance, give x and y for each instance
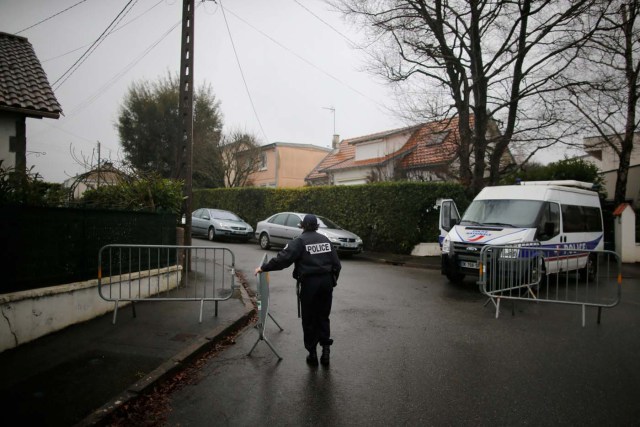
(390, 216)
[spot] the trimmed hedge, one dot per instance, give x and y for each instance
(389, 216)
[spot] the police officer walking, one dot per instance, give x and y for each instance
(317, 267)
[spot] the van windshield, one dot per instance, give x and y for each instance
(502, 213)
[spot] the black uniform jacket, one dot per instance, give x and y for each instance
(312, 254)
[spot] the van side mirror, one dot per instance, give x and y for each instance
(449, 223)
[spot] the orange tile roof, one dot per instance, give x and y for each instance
(621, 207)
(430, 144)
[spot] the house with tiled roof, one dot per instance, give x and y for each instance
(424, 152)
(24, 92)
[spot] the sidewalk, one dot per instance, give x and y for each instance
(81, 374)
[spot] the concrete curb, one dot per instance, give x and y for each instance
(412, 262)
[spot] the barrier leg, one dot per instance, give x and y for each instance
(216, 309)
(133, 309)
(201, 307)
(263, 338)
(272, 349)
(599, 314)
(584, 309)
(498, 308)
(254, 346)
(115, 312)
(274, 321)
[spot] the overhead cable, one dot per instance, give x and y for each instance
(52, 16)
(110, 32)
(242, 73)
(305, 60)
(65, 76)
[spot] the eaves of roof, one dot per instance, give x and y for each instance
(381, 135)
(24, 88)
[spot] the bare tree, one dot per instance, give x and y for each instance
(484, 61)
(606, 93)
(240, 153)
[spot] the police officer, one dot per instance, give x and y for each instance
(317, 267)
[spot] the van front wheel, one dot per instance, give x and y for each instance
(455, 278)
(590, 271)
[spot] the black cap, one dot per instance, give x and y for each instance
(310, 222)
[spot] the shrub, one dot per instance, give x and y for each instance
(28, 189)
(151, 193)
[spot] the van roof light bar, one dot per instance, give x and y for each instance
(564, 182)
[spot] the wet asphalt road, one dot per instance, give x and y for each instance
(412, 349)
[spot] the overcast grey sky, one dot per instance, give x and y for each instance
(295, 56)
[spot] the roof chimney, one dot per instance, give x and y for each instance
(335, 141)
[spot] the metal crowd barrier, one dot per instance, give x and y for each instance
(134, 273)
(560, 275)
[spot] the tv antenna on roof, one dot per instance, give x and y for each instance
(333, 110)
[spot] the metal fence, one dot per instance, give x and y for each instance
(561, 275)
(133, 273)
(62, 242)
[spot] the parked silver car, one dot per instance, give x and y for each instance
(281, 228)
(214, 223)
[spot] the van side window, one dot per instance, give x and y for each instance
(572, 219)
(550, 215)
(592, 218)
(577, 219)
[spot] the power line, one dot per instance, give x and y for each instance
(351, 43)
(305, 60)
(52, 16)
(111, 32)
(122, 72)
(65, 76)
(235, 52)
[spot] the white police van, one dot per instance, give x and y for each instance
(560, 215)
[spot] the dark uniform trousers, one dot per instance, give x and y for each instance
(316, 295)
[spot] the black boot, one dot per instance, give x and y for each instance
(312, 358)
(324, 359)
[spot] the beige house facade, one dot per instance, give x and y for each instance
(285, 165)
(605, 158)
(106, 174)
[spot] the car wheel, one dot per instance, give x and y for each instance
(265, 243)
(211, 234)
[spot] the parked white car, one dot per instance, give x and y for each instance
(281, 228)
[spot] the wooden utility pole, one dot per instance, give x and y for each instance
(185, 145)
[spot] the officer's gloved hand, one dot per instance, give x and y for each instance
(335, 281)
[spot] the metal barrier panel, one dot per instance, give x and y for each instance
(561, 275)
(262, 300)
(133, 273)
